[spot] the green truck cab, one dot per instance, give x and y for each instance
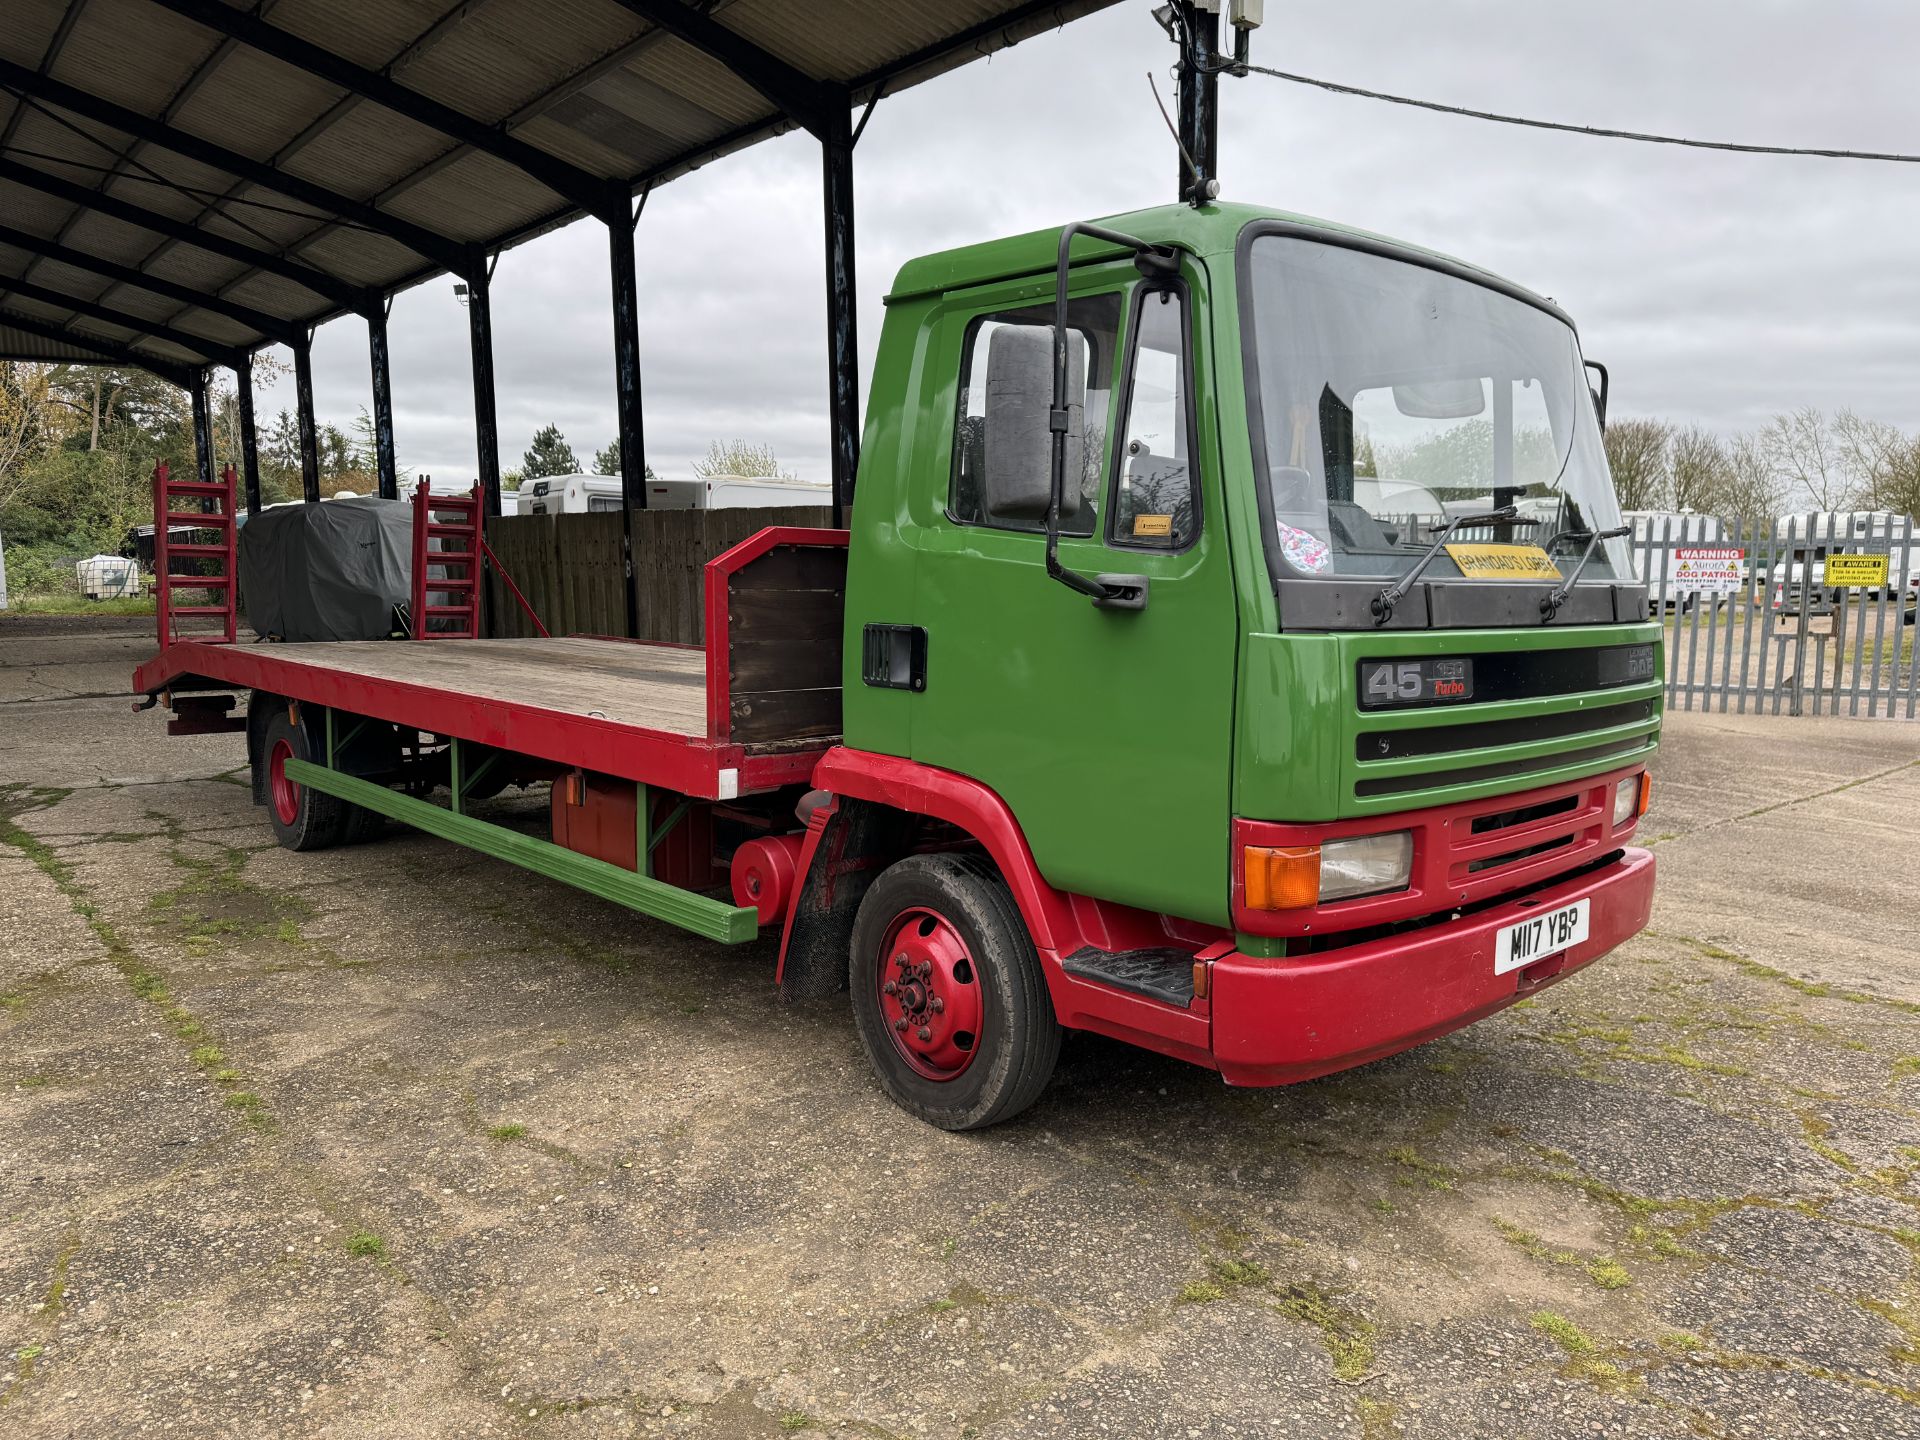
(1294, 771)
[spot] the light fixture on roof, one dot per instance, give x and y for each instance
(460, 292)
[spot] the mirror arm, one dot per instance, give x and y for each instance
(1152, 261)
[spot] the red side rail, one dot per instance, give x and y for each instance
(214, 569)
(719, 572)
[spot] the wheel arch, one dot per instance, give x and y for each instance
(869, 824)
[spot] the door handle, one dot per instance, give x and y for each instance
(1123, 592)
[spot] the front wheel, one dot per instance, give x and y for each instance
(948, 994)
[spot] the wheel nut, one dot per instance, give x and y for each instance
(937, 1004)
(889, 988)
(925, 1033)
(901, 1023)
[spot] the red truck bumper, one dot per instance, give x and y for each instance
(1277, 1021)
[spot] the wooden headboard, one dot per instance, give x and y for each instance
(775, 605)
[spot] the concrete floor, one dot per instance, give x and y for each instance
(397, 1141)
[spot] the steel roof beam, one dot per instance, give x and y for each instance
(417, 238)
(215, 353)
(565, 180)
(317, 281)
(271, 326)
(797, 94)
(106, 351)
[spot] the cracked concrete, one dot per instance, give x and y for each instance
(515, 1163)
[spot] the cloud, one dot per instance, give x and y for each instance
(1718, 288)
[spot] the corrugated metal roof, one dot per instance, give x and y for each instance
(586, 82)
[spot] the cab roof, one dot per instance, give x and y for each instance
(1209, 230)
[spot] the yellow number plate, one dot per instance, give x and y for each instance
(1503, 562)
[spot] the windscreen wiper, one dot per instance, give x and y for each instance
(1550, 605)
(1384, 602)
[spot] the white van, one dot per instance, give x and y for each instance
(575, 494)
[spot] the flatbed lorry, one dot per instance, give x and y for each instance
(1122, 705)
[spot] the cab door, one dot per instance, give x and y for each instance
(1107, 731)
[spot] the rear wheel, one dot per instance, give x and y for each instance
(303, 818)
(948, 994)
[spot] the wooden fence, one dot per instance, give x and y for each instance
(568, 567)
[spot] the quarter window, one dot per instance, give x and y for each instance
(1153, 490)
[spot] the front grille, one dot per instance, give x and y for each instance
(1500, 770)
(1531, 674)
(1494, 862)
(1484, 734)
(1507, 819)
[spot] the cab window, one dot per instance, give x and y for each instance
(1093, 325)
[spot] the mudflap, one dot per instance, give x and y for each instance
(261, 707)
(859, 840)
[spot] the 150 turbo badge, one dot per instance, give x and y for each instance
(1385, 683)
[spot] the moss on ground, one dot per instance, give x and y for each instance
(1602, 1270)
(146, 983)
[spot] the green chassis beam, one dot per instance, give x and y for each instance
(729, 924)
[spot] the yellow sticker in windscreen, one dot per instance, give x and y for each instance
(1503, 562)
(1152, 525)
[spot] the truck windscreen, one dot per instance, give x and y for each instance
(1390, 398)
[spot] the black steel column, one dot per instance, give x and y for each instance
(376, 313)
(202, 424)
(843, 346)
(1200, 103)
(486, 424)
(303, 404)
(626, 383)
(249, 437)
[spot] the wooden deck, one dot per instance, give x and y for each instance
(658, 687)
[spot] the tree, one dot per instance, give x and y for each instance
(1637, 454)
(1885, 460)
(1698, 473)
(607, 461)
(740, 457)
(1809, 456)
(280, 459)
(29, 424)
(549, 455)
(1754, 491)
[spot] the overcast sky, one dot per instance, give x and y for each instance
(1718, 288)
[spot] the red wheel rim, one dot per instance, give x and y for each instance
(286, 790)
(929, 994)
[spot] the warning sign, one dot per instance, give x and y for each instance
(1855, 572)
(1709, 570)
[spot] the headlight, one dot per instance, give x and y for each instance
(1626, 800)
(1294, 877)
(1365, 865)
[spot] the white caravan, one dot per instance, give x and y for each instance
(575, 494)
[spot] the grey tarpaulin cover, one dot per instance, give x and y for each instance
(327, 571)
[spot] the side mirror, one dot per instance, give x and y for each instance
(1017, 471)
(1600, 395)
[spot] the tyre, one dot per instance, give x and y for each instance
(303, 818)
(948, 994)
